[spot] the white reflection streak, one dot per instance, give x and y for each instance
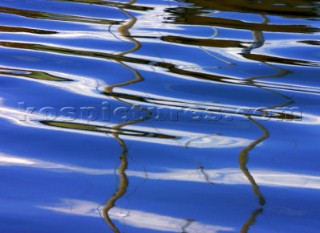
(135, 218)
(56, 167)
(234, 177)
(230, 176)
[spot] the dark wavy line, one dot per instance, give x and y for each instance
(285, 8)
(53, 16)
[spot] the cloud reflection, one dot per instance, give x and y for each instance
(135, 218)
(228, 176)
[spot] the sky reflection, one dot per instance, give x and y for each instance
(227, 176)
(135, 218)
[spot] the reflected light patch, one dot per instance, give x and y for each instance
(14, 161)
(228, 176)
(135, 218)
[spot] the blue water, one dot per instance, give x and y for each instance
(189, 116)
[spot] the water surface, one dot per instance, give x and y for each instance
(191, 116)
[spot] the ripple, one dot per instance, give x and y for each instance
(213, 122)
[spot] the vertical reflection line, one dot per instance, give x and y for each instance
(244, 154)
(244, 157)
(124, 30)
(251, 221)
(124, 182)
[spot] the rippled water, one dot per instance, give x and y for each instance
(189, 116)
